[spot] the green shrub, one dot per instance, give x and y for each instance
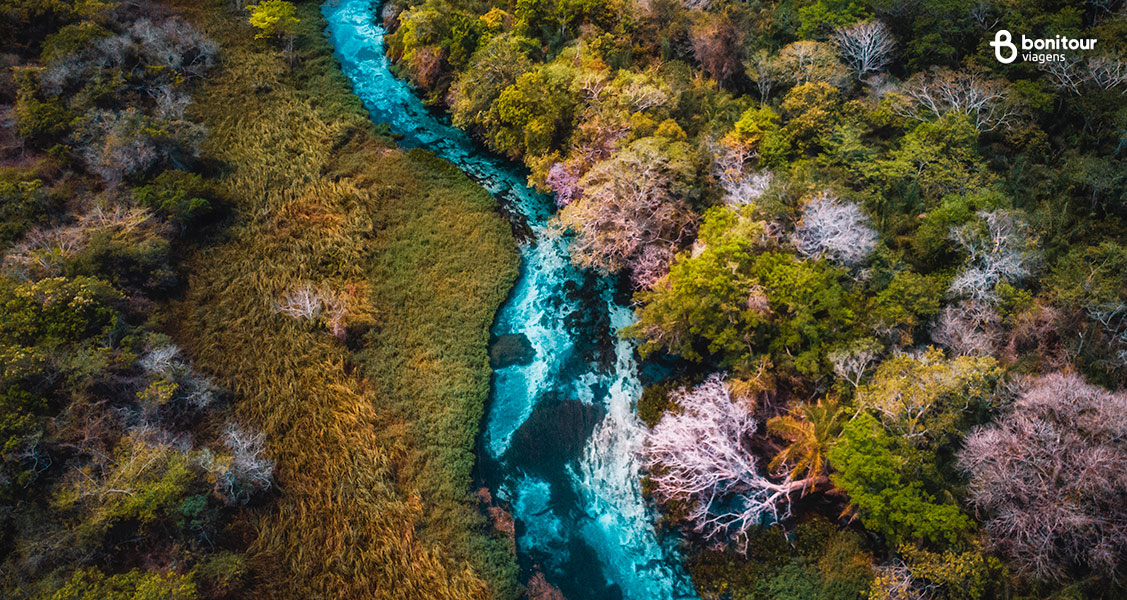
(178, 195)
(92, 584)
(71, 39)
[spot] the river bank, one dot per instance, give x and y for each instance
(373, 434)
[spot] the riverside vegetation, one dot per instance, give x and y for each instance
(244, 338)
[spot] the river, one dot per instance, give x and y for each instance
(560, 439)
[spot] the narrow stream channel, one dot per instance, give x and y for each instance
(560, 439)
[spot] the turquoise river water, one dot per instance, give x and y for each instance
(560, 439)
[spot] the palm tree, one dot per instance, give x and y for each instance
(811, 429)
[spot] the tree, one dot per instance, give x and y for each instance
(908, 302)
(716, 46)
(999, 247)
(810, 430)
(117, 145)
(941, 91)
(765, 70)
(493, 67)
(275, 18)
(246, 471)
(812, 111)
(866, 46)
(919, 574)
(889, 499)
(143, 483)
(316, 305)
(737, 300)
(1074, 73)
(92, 584)
(969, 327)
(630, 202)
(696, 457)
(837, 230)
(926, 397)
(528, 117)
(175, 44)
(1049, 478)
(851, 362)
(805, 62)
(1094, 279)
(741, 184)
(939, 157)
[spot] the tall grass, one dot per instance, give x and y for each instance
(373, 438)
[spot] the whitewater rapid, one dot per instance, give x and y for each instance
(571, 472)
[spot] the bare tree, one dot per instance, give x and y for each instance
(741, 185)
(1050, 476)
(1073, 73)
(765, 71)
(894, 581)
(249, 471)
(866, 46)
(1107, 73)
(852, 362)
(999, 247)
(310, 304)
(807, 61)
(836, 229)
(1112, 317)
(564, 183)
(971, 93)
(969, 327)
(697, 457)
(193, 389)
(1066, 73)
(175, 44)
(650, 266)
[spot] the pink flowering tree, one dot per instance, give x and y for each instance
(1049, 478)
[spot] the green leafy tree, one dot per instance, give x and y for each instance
(737, 299)
(927, 398)
(811, 111)
(871, 469)
(818, 20)
(275, 18)
(493, 67)
(906, 304)
(144, 483)
(530, 117)
(936, 158)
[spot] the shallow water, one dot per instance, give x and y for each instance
(560, 439)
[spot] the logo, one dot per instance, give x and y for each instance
(1003, 39)
(1006, 51)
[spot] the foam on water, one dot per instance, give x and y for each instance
(584, 522)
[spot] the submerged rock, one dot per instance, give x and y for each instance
(501, 519)
(511, 349)
(540, 589)
(554, 433)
